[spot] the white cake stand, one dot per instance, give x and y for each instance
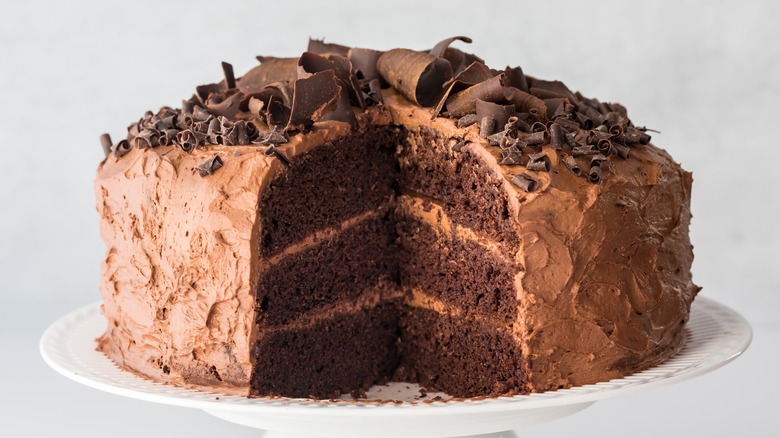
(716, 336)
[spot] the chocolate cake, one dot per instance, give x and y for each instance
(351, 217)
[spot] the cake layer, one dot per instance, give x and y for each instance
(337, 269)
(471, 192)
(458, 355)
(453, 266)
(328, 184)
(347, 354)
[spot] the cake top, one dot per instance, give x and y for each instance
(329, 82)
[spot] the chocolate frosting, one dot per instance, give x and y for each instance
(603, 279)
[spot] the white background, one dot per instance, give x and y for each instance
(704, 73)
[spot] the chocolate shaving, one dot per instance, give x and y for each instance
(467, 120)
(121, 148)
(604, 146)
(319, 97)
(375, 91)
(204, 91)
(147, 139)
(568, 125)
(620, 150)
(538, 162)
(580, 151)
(417, 76)
(534, 138)
(597, 159)
(571, 163)
(228, 107)
(209, 166)
(273, 137)
(524, 102)
(321, 47)
(269, 71)
(187, 140)
(487, 126)
(439, 49)
(511, 156)
(364, 62)
(105, 142)
(500, 113)
(472, 75)
(230, 78)
(555, 87)
(525, 182)
(464, 102)
(273, 151)
(595, 173)
(310, 63)
(168, 137)
(516, 78)
(557, 137)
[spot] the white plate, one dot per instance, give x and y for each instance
(716, 336)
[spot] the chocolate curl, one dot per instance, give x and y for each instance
(472, 75)
(511, 156)
(538, 162)
(487, 126)
(633, 135)
(525, 182)
(580, 151)
(534, 138)
(105, 142)
(620, 150)
(556, 107)
(269, 71)
(567, 124)
(516, 78)
(418, 76)
(524, 102)
(364, 62)
(584, 121)
(604, 146)
(204, 91)
(187, 140)
(273, 137)
(319, 97)
(230, 78)
(323, 48)
(500, 113)
(121, 148)
(146, 139)
(273, 151)
(538, 127)
(594, 175)
(439, 49)
(557, 137)
(571, 163)
(209, 166)
(464, 102)
(228, 107)
(614, 118)
(375, 91)
(467, 120)
(550, 89)
(310, 63)
(168, 137)
(597, 159)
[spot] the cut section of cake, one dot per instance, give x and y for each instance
(351, 217)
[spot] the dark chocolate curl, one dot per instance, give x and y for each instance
(594, 175)
(105, 142)
(209, 166)
(538, 162)
(516, 78)
(465, 102)
(147, 139)
(487, 126)
(534, 138)
(230, 78)
(597, 159)
(121, 148)
(375, 91)
(556, 87)
(472, 75)
(511, 156)
(187, 140)
(571, 163)
(557, 137)
(273, 151)
(364, 62)
(228, 107)
(525, 182)
(323, 48)
(168, 137)
(500, 113)
(620, 150)
(319, 97)
(310, 63)
(580, 151)
(269, 71)
(416, 75)
(524, 102)
(439, 49)
(567, 124)
(467, 120)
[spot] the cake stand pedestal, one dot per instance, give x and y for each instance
(716, 335)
